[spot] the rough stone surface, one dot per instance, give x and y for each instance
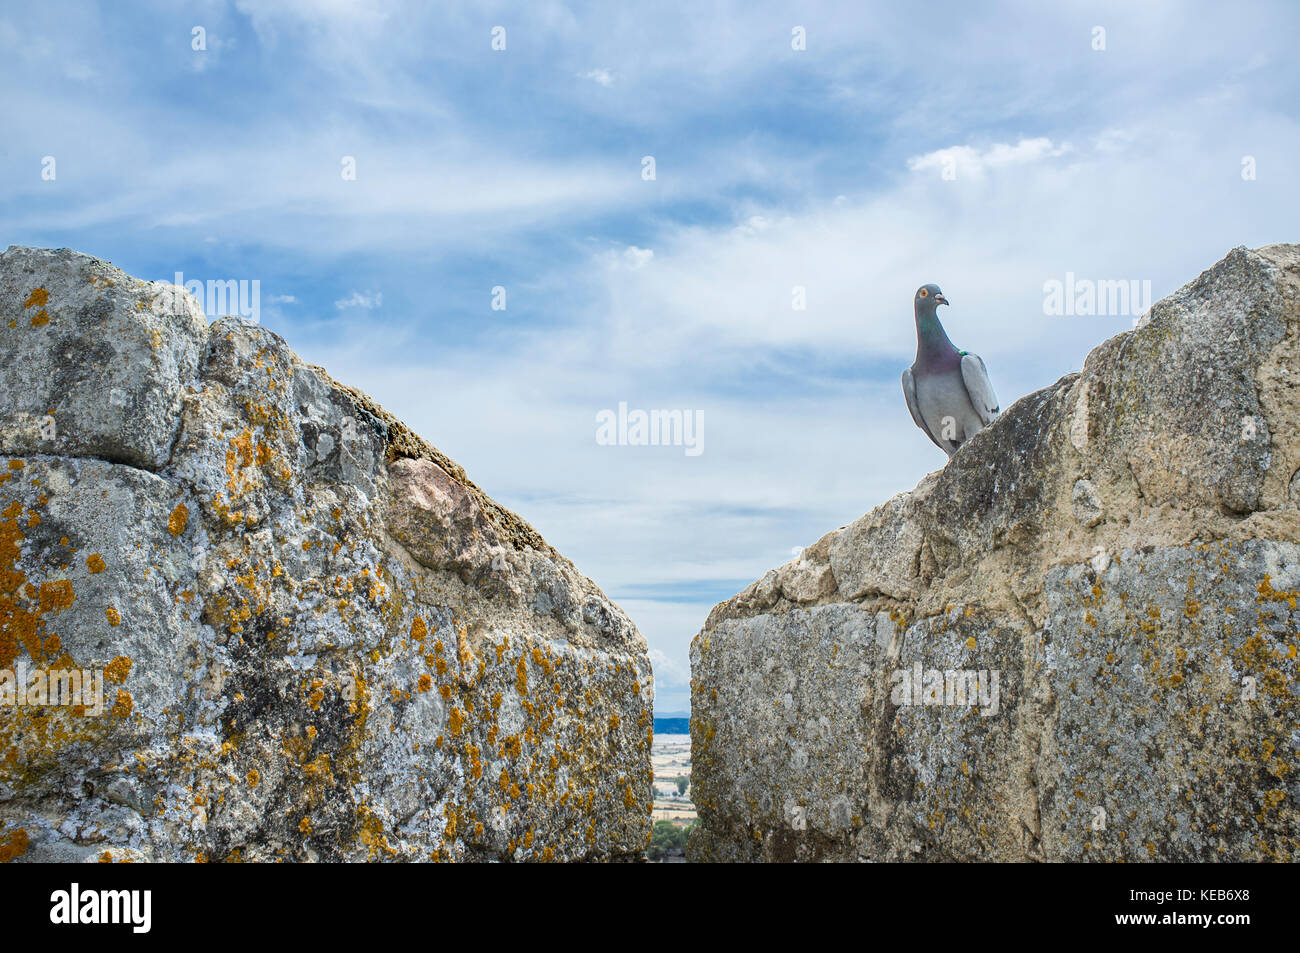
(318, 638)
(1119, 549)
(96, 369)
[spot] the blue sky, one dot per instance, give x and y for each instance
(821, 168)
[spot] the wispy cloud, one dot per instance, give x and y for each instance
(365, 301)
(602, 76)
(972, 161)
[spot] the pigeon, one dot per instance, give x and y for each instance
(947, 390)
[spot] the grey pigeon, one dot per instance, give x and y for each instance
(947, 390)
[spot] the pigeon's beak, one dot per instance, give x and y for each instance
(940, 299)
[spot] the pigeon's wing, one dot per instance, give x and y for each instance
(909, 393)
(976, 378)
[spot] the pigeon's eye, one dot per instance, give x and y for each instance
(924, 293)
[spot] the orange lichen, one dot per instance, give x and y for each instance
(114, 617)
(55, 596)
(1268, 594)
(95, 563)
(117, 670)
(179, 519)
(39, 298)
(424, 684)
(15, 845)
(122, 707)
(371, 833)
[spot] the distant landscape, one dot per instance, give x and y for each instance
(673, 726)
(674, 813)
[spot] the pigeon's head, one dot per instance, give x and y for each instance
(928, 298)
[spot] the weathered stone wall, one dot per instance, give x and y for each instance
(1120, 549)
(318, 638)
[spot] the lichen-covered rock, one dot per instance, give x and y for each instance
(315, 638)
(1077, 641)
(92, 361)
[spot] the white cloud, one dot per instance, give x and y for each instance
(668, 671)
(602, 76)
(969, 161)
(637, 257)
(367, 301)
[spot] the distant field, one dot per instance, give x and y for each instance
(672, 726)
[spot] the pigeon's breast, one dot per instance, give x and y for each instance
(943, 394)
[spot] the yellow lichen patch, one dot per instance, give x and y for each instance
(424, 684)
(253, 777)
(56, 595)
(40, 318)
(419, 631)
(295, 748)
(117, 670)
(122, 707)
(114, 617)
(970, 642)
(305, 825)
(1268, 594)
(14, 845)
(39, 298)
(179, 519)
(371, 833)
(95, 563)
